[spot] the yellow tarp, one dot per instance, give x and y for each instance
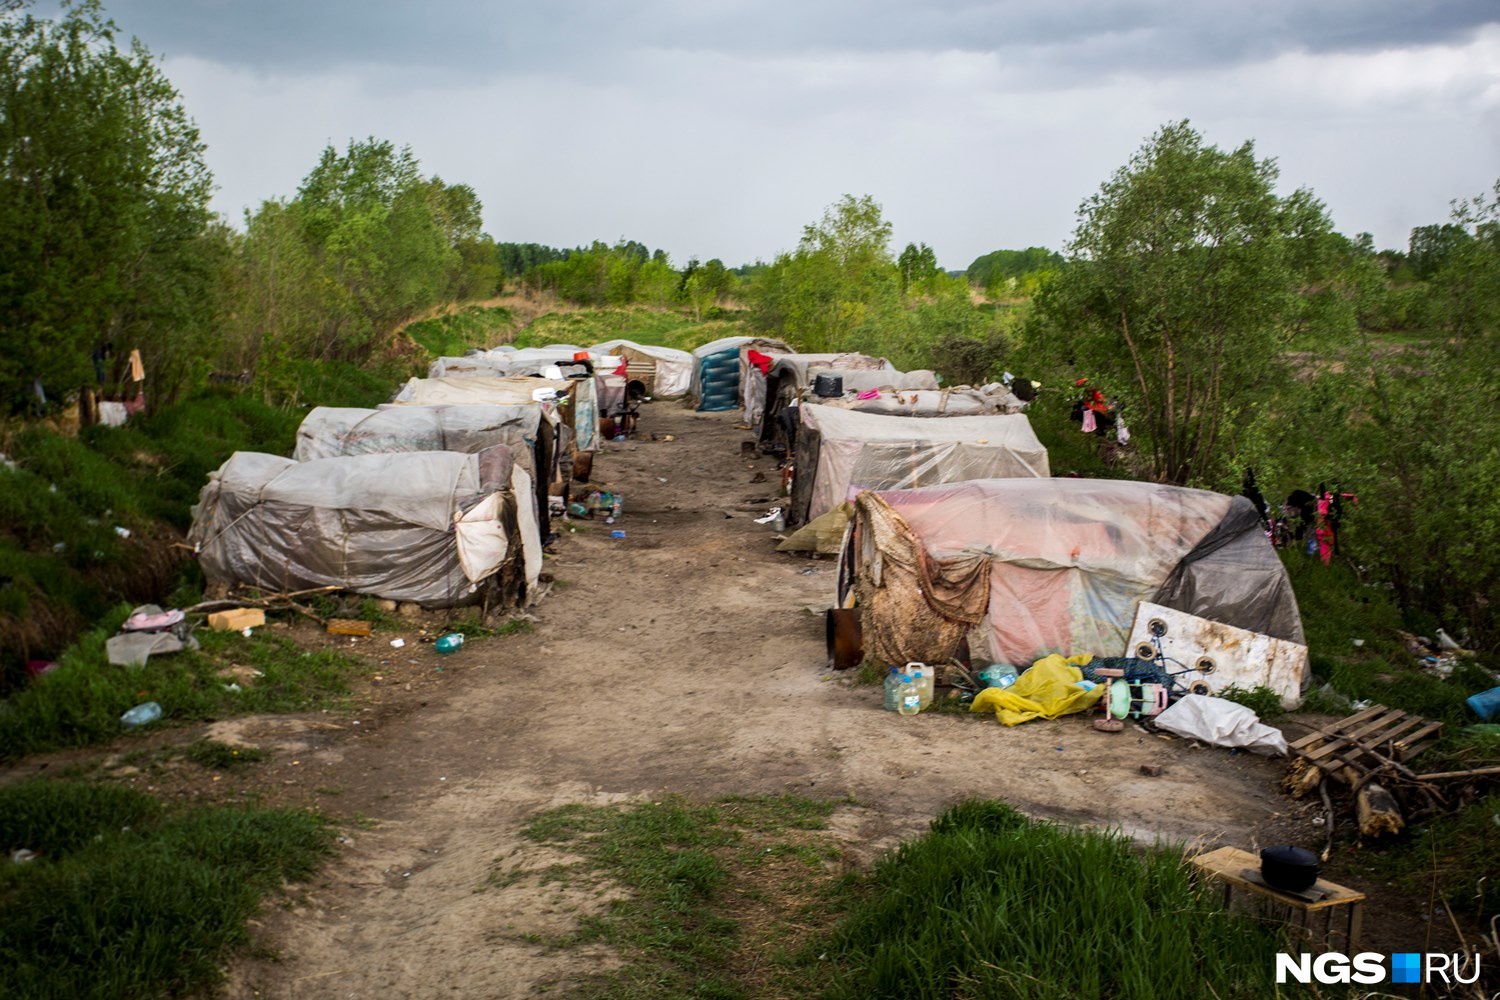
(1049, 689)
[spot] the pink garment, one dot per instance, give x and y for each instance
(1089, 423)
(869, 394)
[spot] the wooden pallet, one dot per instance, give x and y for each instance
(1368, 741)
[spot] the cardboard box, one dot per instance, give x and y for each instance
(236, 619)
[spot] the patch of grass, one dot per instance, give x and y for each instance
(224, 757)
(679, 930)
(666, 328)
(992, 904)
(455, 333)
(1261, 700)
(127, 900)
(80, 703)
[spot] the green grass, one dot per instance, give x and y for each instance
(586, 327)
(1454, 857)
(129, 900)
(80, 703)
(992, 904)
(455, 333)
(676, 930)
(222, 756)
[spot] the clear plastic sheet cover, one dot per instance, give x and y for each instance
(862, 451)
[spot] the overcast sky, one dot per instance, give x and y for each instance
(719, 128)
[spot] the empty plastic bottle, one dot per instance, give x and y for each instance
(998, 675)
(449, 642)
(616, 505)
(143, 713)
(893, 690)
(911, 698)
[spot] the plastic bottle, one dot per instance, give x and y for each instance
(911, 698)
(998, 675)
(449, 642)
(617, 505)
(142, 714)
(926, 680)
(893, 690)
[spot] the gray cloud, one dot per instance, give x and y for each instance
(475, 39)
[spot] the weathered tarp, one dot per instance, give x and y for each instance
(791, 376)
(427, 527)
(528, 361)
(530, 431)
(576, 395)
(1028, 567)
(956, 401)
(333, 431)
(842, 452)
(665, 371)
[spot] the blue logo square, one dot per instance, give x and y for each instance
(1406, 967)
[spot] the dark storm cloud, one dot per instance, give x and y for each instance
(594, 38)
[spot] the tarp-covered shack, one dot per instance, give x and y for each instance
(790, 376)
(1028, 567)
(529, 430)
(438, 528)
(841, 452)
(576, 398)
(722, 370)
(660, 371)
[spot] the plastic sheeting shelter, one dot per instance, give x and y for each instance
(791, 376)
(577, 398)
(1024, 568)
(432, 527)
(661, 371)
(530, 431)
(526, 361)
(954, 401)
(843, 452)
(721, 370)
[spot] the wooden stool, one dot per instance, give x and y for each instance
(1339, 910)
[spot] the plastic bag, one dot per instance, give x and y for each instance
(1221, 723)
(1048, 689)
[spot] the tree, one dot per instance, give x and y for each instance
(917, 266)
(824, 290)
(103, 196)
(1182, 276)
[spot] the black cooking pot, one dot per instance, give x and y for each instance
(1292, 869)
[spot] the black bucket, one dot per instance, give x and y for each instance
(828, 386)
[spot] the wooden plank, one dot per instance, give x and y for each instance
(1354, 719)
(348, 626)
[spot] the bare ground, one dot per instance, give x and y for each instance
(679, 659)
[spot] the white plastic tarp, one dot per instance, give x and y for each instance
(331, 431)
(950, 402)
(870, 451)
(672, 369)
(372, 524)
(1221, 723)
(511, 390)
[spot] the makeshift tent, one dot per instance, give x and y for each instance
(721, 370)
(433, 527)
(660, 371)
(1027, 567)
(790, 376)
(954, 401)
(527, 361)
(530, 431)
(842, 452)
(576, 398)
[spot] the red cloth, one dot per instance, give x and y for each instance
(624, 368)
(759, 360)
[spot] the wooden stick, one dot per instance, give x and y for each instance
(1445, 775)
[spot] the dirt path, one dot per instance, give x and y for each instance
(680, 659)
